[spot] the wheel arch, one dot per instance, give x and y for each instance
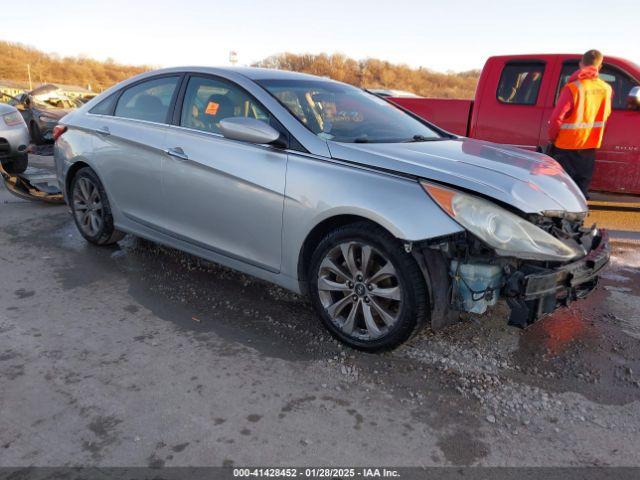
(71, 173)
(319, 231)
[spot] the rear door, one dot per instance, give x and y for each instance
(129, 138)
(618, 160)
(221, 194)
(511, 111)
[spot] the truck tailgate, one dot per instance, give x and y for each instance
(449, 114)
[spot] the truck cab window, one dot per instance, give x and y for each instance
(520, 84)
(620, 82)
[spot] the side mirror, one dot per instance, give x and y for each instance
(633, 99)
(248, 130)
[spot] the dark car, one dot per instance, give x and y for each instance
(41, 109)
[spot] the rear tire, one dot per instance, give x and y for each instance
(16, 165)
(369, 292)
(91, 209)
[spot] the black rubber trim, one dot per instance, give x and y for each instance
(570, 276)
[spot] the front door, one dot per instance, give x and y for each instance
(220, 194)
(512, 114)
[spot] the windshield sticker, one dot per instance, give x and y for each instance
(212, 109)
(325, 135)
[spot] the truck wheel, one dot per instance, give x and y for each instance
(369, 293)
(91, 209)
(36, 134)
(16, 165)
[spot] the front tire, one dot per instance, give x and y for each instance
(91, 209)
(369, 293)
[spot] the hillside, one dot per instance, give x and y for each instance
(371, 73)
(51, 68)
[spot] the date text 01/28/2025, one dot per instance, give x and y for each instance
(316, 472)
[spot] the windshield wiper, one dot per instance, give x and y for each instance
(421, 138)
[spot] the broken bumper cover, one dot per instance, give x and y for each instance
(533, 292)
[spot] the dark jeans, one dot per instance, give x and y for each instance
(578, 164)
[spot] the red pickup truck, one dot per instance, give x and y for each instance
(514, 100)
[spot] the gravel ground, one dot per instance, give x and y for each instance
(142, 355)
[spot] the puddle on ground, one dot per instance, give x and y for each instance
(581, 346)
(193, 294)
(587, 347)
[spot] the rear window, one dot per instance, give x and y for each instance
(520, 84)
(149, 100)
(105, 107)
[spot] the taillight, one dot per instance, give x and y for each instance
(12, 119)
(57, 131)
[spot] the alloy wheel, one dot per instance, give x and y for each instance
(87, 207)
(359, 289)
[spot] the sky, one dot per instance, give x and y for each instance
(440, 35)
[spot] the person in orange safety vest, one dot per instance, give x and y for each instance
(577, 123)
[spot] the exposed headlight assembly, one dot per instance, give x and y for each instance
(507, 233)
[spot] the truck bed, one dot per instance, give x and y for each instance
(449, 114)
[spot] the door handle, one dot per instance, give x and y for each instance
(177, 152)
(103, 131)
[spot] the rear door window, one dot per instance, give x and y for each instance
(620, 82)
(105, 107)
(208, 100)
(149, 100)
(520, 83)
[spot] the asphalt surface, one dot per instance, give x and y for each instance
(138, 355)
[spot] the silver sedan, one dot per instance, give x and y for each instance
(386, 221)
(14, 140)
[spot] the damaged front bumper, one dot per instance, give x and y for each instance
(33, 184)
(533, 291)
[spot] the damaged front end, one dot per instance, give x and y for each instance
(535, 289)
(557, 263)
(34, 184)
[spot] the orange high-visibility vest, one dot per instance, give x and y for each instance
(584, 127)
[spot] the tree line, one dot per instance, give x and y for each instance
(374, 73)
(51, 68)
(368, 73)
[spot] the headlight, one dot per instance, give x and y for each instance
(506, 232)
(13, 118)
(48, 119)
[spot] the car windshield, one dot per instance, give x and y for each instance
(342, 113)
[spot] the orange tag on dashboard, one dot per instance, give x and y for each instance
(212, 108)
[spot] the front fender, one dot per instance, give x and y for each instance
(318, 190)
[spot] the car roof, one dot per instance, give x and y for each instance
(253, 73)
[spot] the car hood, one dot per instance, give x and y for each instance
(529, 181)
(44, 89)
(56, 113)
